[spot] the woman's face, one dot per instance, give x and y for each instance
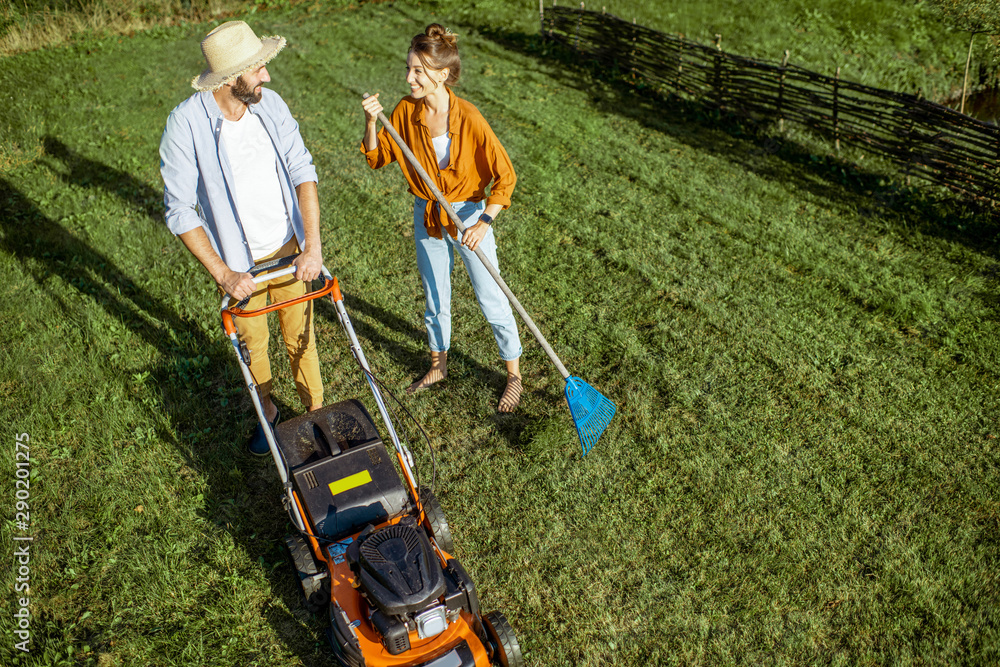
(423, 81)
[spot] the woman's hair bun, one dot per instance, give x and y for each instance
(439, 32)
(437, 48)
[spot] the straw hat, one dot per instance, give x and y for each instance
(233, 49)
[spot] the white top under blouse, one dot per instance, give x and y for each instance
(442, 148)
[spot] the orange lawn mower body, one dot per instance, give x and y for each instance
(372, 548)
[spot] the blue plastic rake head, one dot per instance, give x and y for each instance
(591, 410)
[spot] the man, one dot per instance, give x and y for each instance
(240, 189)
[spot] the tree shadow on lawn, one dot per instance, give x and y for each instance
(47, 249)
(827, 176)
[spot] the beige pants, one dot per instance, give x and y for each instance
(296, 328)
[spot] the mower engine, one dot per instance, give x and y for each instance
(401, 578)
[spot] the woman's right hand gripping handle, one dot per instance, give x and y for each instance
(372, 110)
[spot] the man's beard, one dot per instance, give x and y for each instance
(244, 93)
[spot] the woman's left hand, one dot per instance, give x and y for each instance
(474, 235)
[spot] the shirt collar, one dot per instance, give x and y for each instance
(211, 106)
(419, 113)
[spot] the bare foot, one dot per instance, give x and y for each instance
(511, 395)
(438, 372)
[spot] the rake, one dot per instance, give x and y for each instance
(591, 411)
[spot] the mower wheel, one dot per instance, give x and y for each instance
(313, 582)
(436, 521)
(506, 648)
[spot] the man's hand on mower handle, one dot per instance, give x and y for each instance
(237, 285)
(308, 265)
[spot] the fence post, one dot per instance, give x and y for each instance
(836, 124)
(911, 141)
(781, 94)
(579, 22)
(718, 71)
(680, 60)
(631, 55)
(996, 175)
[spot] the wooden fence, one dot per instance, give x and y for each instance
(927, 140)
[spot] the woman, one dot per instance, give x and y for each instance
(458, 149)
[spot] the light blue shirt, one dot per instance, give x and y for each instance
(198, 180)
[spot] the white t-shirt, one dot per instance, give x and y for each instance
(259, 201)
(442, 146)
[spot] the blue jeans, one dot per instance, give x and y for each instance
(436, 259)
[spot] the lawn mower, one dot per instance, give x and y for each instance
(372, 549)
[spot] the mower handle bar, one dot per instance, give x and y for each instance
(258, 276)
(230, 313)
(258, 269)
(257, 280)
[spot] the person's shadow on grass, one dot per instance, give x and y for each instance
(414, 358)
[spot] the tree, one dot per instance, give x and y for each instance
(976, 17)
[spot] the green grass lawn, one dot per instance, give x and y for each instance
(804, 469)
(897, 45)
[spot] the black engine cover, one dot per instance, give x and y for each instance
(399, 570)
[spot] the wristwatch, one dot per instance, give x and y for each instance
(485, 218)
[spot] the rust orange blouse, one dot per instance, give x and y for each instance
(475, 159)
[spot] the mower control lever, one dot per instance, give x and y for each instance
(272, 264)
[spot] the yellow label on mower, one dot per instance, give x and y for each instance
(351, 482)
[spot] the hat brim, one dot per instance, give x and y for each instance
(212, 81)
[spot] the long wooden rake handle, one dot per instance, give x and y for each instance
(412, 159)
